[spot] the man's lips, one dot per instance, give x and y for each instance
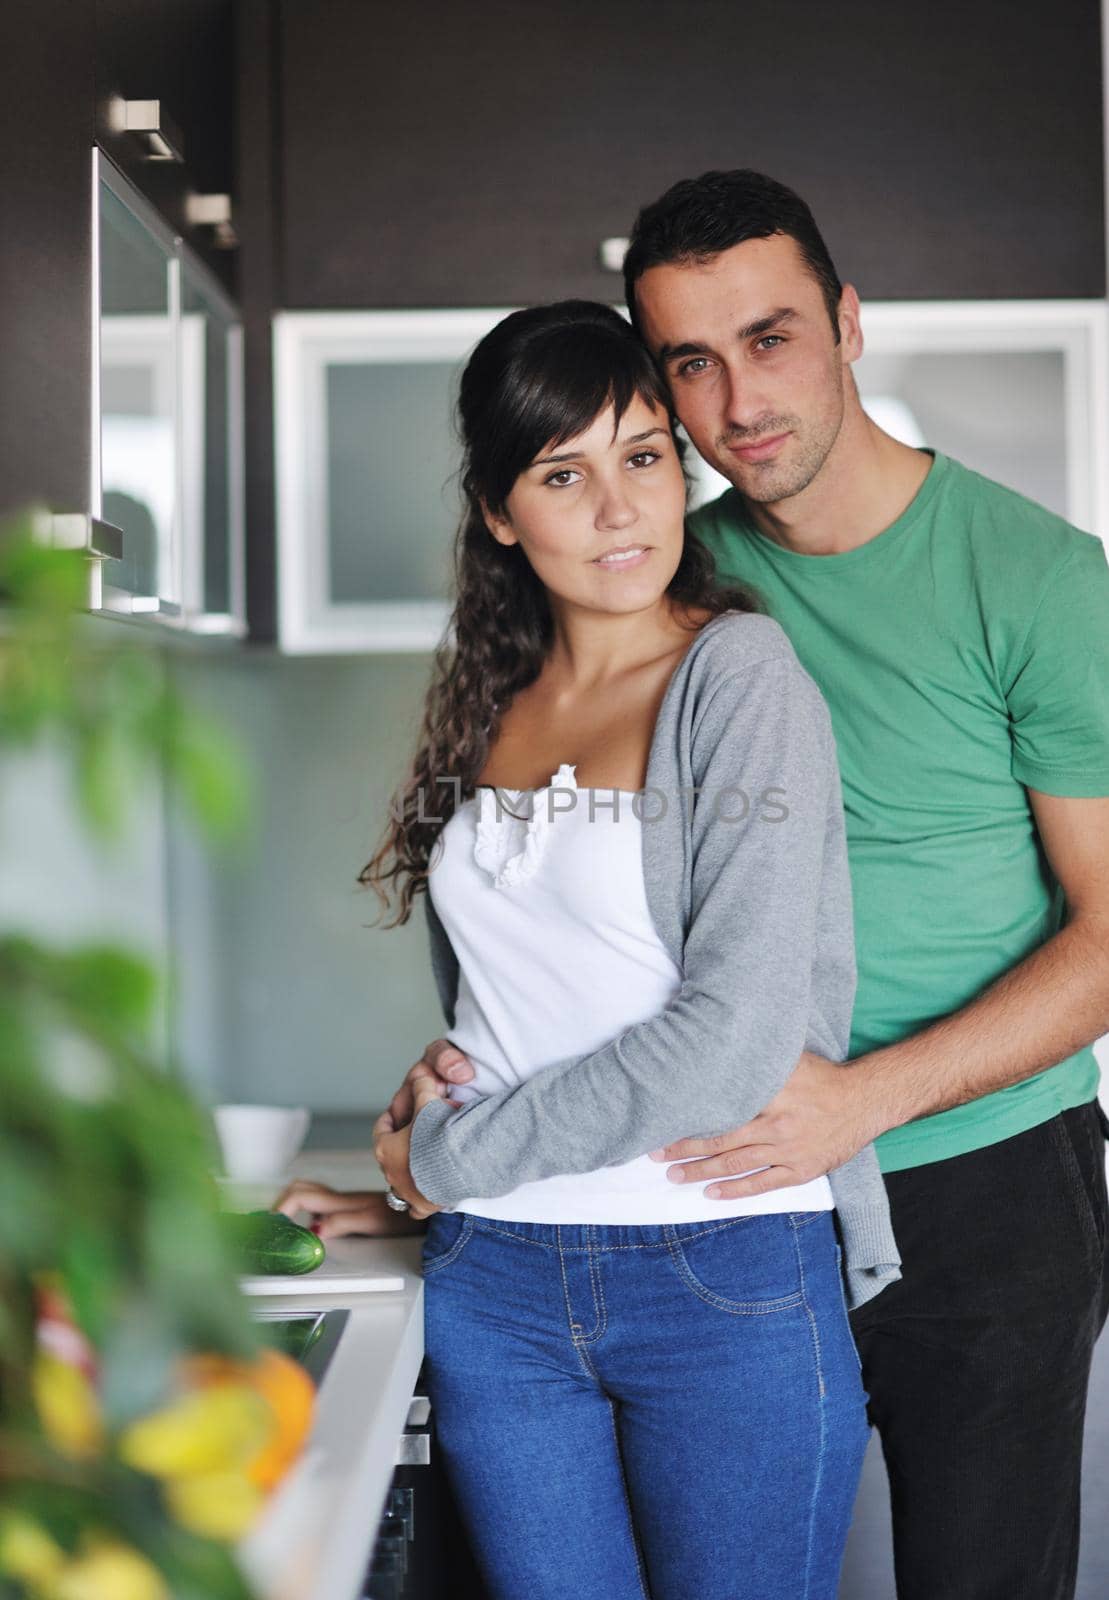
(761, 451)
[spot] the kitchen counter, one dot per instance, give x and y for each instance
(316, 1535)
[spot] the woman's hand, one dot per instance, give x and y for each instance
(392, 1146)
(336, 1212)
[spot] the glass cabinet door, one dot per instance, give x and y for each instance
(167, 443)
(213, 580)
(136, 451)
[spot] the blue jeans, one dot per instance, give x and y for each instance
(670, 1411)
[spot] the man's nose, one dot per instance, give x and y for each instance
(744, 401)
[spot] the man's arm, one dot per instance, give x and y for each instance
(1042, 1010)
(1055, 679)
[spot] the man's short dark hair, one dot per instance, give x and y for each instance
(698, 218)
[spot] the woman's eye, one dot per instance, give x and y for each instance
(644, 458)
(562, 478)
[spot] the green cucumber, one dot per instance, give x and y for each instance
(267, 1242)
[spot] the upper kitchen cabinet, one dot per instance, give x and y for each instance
(443, 158)
(167, 419)
(367, 452)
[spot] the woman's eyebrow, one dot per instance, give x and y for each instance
(638, 438)
(576, 455)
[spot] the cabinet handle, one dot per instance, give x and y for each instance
(419, 1412)
(413, 1450)
(77, 530)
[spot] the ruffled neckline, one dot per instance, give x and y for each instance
(496, 835)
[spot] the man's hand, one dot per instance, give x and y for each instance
(336, 1212)
(817, 1121)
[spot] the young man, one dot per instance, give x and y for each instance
(960, 635)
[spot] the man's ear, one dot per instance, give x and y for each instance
(499, 526)
(850, 323)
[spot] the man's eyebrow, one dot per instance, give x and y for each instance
(764, 324)
(752, 330)
(576, 455)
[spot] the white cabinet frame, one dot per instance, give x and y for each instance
(306, 343)
(1078, 330)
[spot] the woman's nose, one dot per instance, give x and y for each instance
(616, 510)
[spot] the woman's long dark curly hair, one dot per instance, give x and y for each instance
(540, 377)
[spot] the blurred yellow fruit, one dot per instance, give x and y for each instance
(290, 1393)
(110, 1570)
(216, 1505)
(67, 1405)
(208, 1431)
(27, 1552)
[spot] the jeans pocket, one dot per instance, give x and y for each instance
(747, 1267)
(445, 1239)
(1079, 1140)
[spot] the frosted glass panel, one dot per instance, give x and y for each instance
(137, 388)
(1001, 412)
(392, 464)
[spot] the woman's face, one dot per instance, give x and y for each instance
(607, 490)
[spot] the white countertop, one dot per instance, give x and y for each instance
(315, 1537)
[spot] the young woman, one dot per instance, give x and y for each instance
(624, 813)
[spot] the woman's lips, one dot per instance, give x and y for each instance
(761, 451)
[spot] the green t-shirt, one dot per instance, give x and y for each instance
(963, 653)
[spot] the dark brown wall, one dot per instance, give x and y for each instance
(448, 154)
(46, 117)
(182, 52)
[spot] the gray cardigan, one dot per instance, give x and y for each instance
(752, 899)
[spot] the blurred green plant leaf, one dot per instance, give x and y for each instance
(105, 1159)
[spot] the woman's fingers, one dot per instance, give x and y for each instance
(373, 1217)
(426, 1090)
(304, 1194)
(318, 1198)
(400, 1106)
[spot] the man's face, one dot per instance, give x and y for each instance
(749, 352)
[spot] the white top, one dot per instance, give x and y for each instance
(558, 954)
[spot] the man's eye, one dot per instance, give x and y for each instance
(690, 368)
(644, 458)
(771, 339)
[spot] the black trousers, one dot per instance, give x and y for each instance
(977, 1362)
